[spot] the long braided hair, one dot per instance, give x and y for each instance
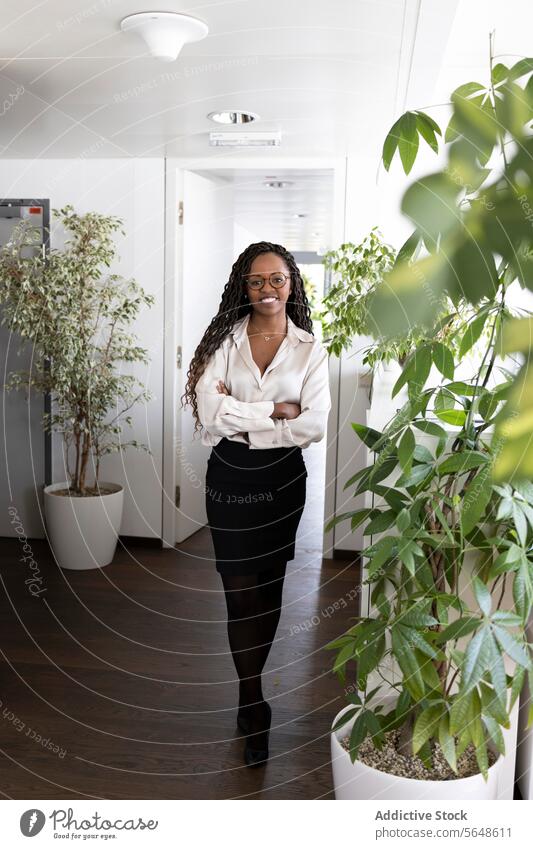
(234, 305)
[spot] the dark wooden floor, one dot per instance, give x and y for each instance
(118, 683)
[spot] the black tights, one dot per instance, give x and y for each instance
(254, 607)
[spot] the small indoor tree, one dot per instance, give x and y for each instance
(358, 270)
(76, 317)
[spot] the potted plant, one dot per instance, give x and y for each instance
(450, 564)
(76, 316)
(451, 589)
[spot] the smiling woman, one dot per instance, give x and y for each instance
(259, 387)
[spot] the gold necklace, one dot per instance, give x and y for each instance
(268, 338)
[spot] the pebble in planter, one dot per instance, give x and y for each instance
(390, 760)
(386, 774)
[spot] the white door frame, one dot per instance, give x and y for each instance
(174, 168)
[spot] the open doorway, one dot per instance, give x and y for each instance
(226, 209)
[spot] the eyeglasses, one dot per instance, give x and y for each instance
(257, 281)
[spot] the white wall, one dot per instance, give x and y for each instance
(133, 190)
(242, 237)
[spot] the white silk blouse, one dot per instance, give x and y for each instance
(298, 373)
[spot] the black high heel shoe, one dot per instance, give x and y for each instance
(256, 747)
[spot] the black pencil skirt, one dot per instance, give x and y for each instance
(254, 503)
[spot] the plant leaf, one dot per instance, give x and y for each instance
(447, 742)
(476, 498)
(512, 646)
(477, 660)
(426, 725)
(345, 718)
(462, 461)
(406, 449)
(367, 434)
(408, 141)
(358, 734)
(443, 359)
(482, 594)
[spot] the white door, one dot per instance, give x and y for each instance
(204, 261)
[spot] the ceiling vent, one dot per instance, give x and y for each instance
(236, 139)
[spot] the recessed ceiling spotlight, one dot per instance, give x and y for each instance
(277, 184)
(299, 215)
(235, 116)
(165, 33)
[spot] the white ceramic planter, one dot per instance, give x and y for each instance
(359, 781)
(83, 532)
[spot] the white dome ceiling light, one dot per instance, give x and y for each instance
(165, 33)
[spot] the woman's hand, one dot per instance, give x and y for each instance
(222, 388)
(285, 410)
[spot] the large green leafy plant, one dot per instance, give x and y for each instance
(441, 523)
(450, 515)
(474, 220)
(75, 315)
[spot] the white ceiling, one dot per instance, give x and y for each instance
(329, 75)
(269, 214)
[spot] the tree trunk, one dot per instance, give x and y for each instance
(76, 480)
(84, 460)
(405, 741)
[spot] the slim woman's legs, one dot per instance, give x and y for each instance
(271, 586)
(254, 607)
(244, 606)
